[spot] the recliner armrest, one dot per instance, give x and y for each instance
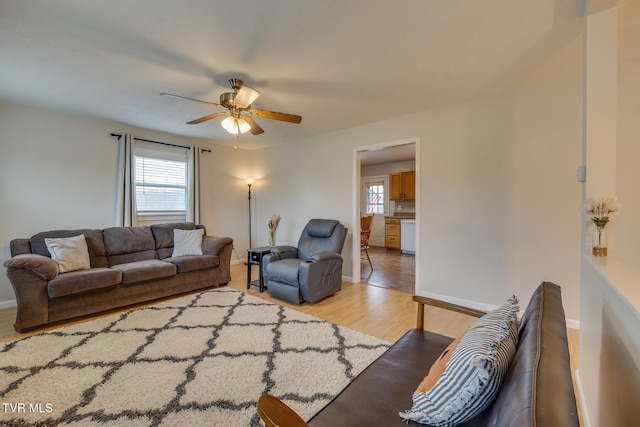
(285, 251)
(322, 256)
(277, 256)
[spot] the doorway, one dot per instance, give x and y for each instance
(392, 268)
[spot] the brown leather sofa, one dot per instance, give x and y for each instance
(537, 391)
(129, 265)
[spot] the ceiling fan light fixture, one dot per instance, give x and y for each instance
(236, 103)
(235, 125)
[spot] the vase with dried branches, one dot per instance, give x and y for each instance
(272, 225)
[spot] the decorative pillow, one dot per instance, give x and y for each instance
(71, 253)
(187, 242)
(473, 374)
(438, 367)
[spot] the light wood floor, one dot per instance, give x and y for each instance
(374, 310)
(377, 311)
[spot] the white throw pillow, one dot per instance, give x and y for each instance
(187, 242)
(71, 253)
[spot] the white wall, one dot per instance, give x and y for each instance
(497, 183)
(609, 370)
(628, 156)
(58, 171)
(500, 206)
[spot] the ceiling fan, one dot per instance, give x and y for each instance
(237, 104)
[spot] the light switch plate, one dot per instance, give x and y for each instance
(581, 174)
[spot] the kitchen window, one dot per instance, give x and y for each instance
(375, 195)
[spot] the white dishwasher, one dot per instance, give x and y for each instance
(408, 236)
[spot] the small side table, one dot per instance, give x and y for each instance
(254, 257)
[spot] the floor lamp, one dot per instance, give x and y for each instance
(250, 182)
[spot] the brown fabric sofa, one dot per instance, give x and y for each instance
(129, 265)
(537, 391)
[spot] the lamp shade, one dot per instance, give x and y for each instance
(235, 125)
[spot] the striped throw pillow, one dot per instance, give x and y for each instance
(474, 372)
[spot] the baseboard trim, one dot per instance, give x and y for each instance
(8, 304)
(586, 421)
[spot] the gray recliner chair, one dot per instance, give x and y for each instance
(312, 270)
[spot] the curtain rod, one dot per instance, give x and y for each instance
(118, 135)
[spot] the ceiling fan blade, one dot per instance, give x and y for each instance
(255, 128)
(193, 99)
(205, 118)
(245, 96)
(274, 115)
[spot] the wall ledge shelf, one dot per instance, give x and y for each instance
(623, 278)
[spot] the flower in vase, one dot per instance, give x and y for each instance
(601, 209)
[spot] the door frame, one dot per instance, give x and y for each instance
(356, 271)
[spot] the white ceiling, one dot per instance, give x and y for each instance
(337, 63)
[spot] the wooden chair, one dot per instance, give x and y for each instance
(365, 231)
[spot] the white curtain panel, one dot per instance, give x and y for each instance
(193, 203)
(126, 194)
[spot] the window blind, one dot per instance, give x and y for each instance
(161, 179)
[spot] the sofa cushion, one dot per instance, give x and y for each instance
(163, 235)
(373, 398)
(473, 374)
(94, 239)
(194, 263)
(71, 253)
(141, 271)
(129, 244)
(187, 242)
(83, 280)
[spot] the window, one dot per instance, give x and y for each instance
(374, 198)
(161, 177)
(161, 185)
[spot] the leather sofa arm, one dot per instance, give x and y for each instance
(422, 301)
(41, 265)
(276, 413)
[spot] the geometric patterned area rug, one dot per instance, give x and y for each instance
(199, 360)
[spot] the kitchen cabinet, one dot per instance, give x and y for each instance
(403, 185)
(392, 233)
